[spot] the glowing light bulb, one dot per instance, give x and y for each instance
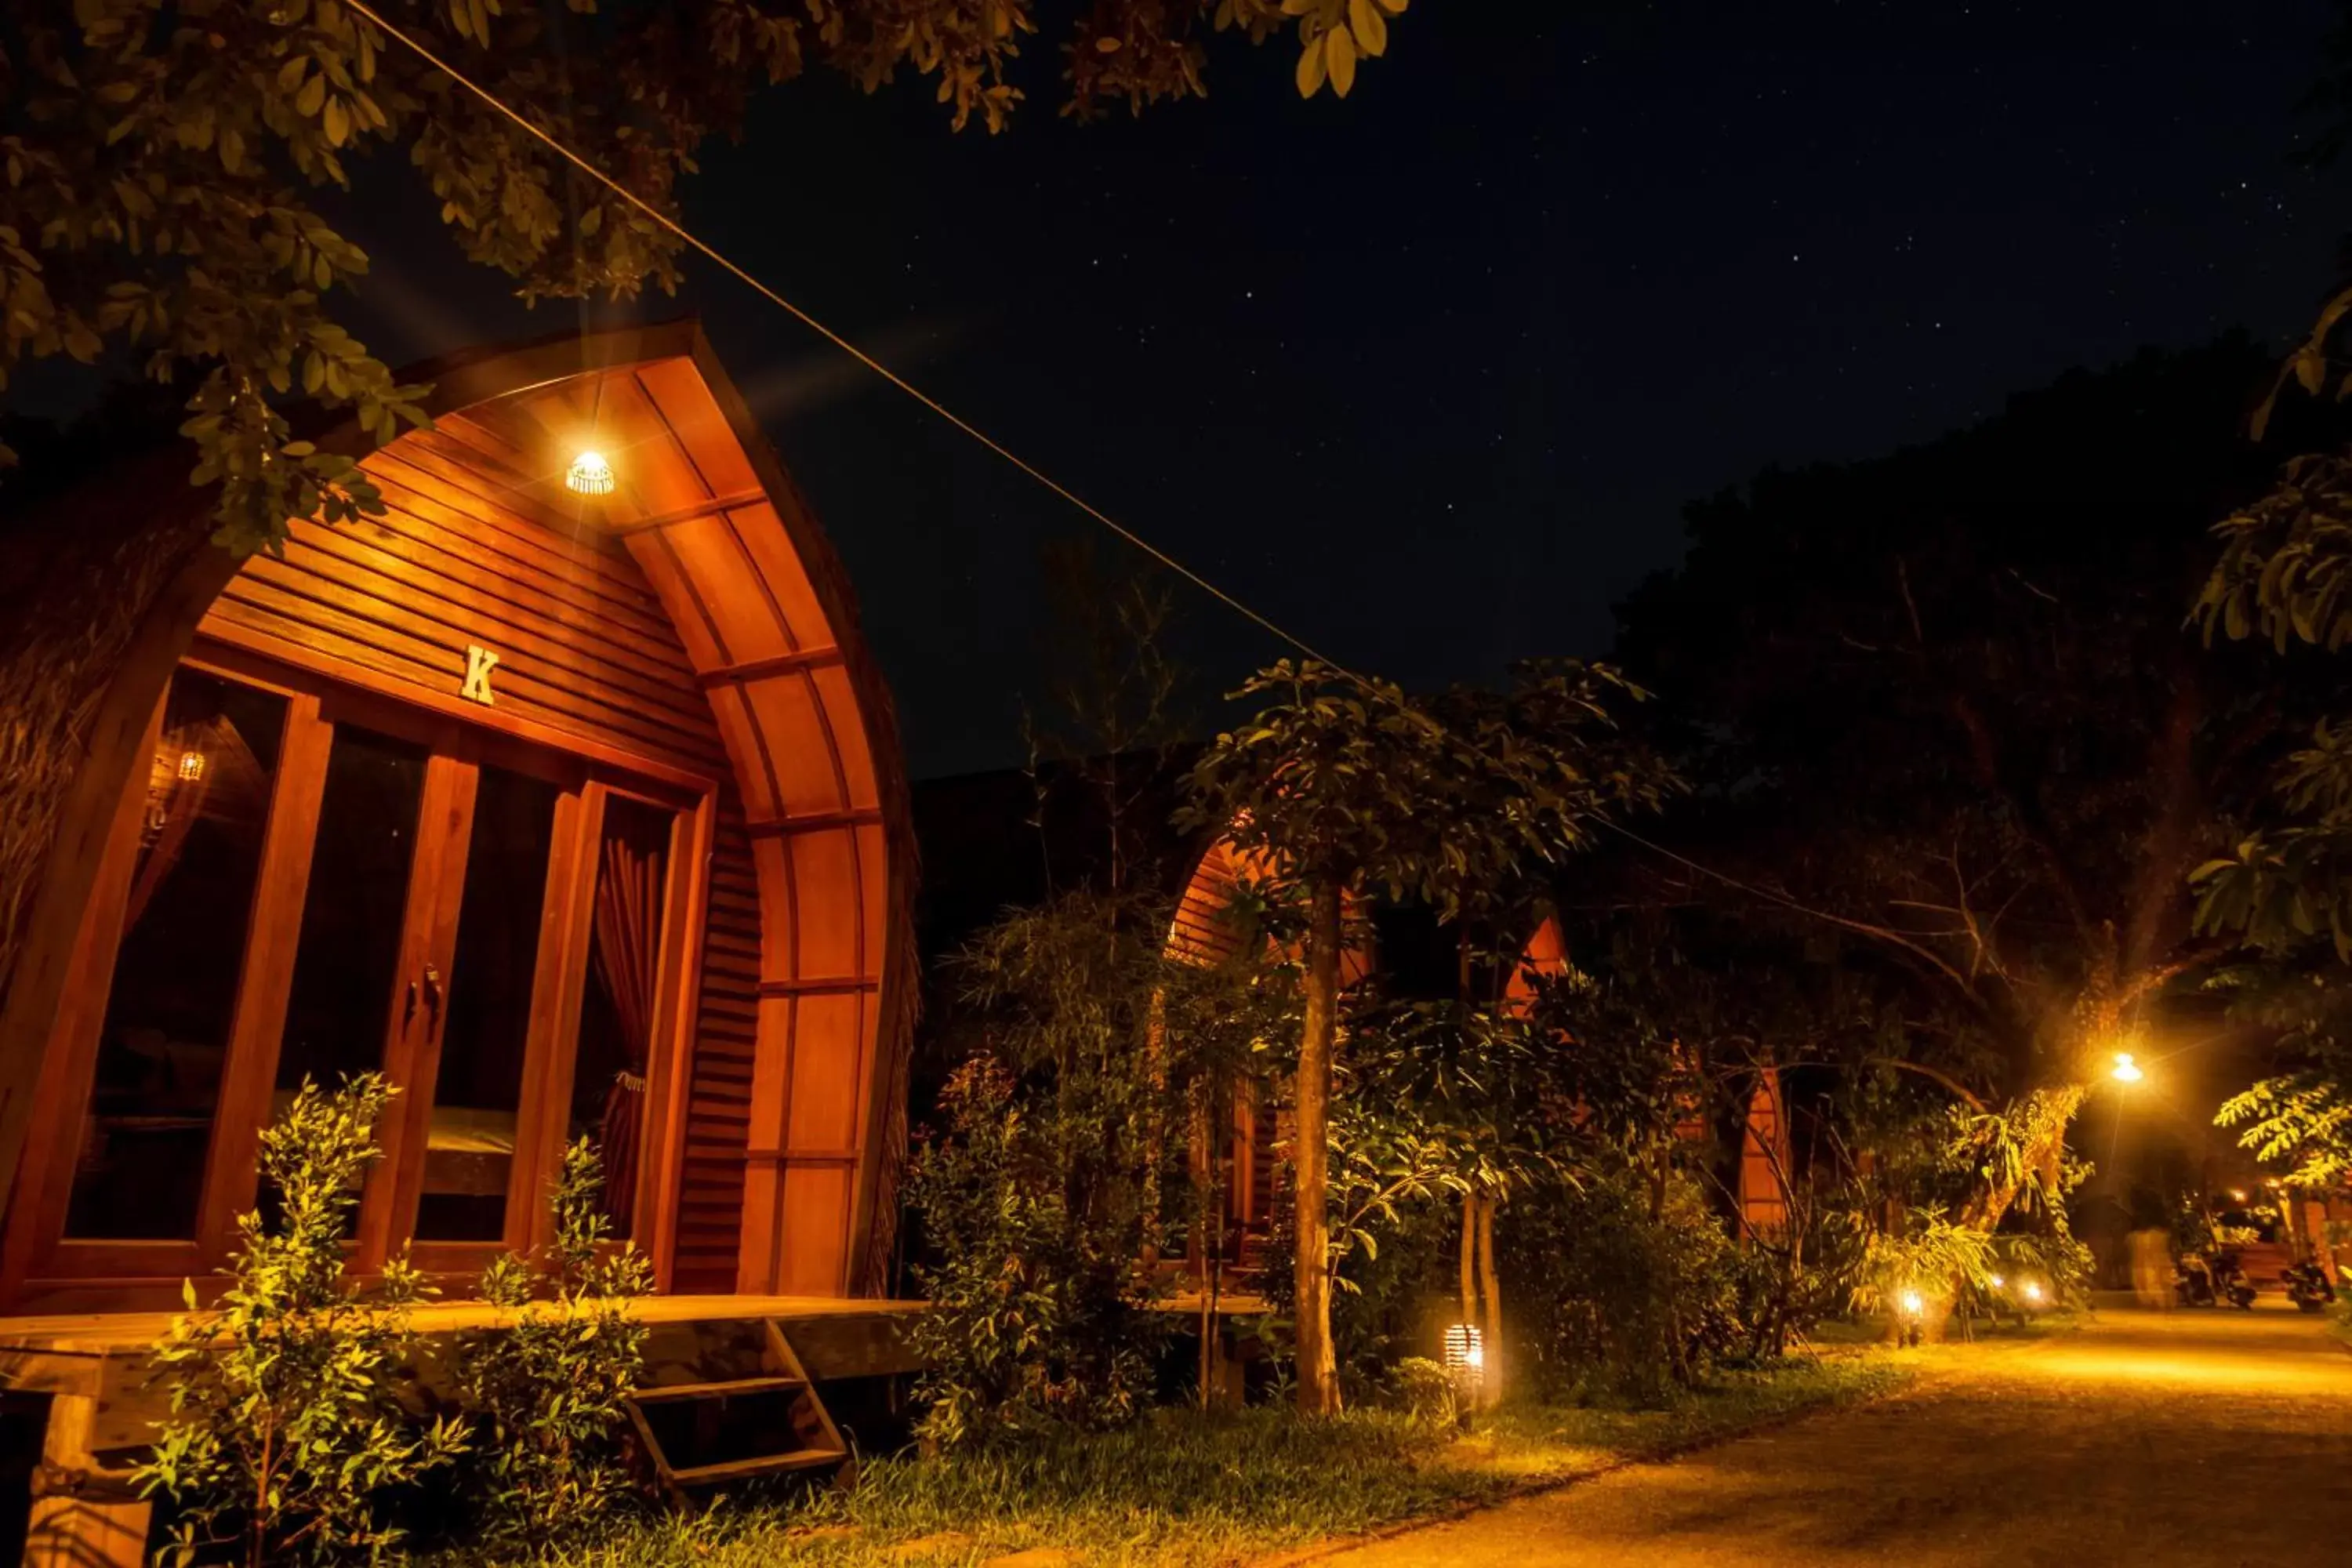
(1997, 1282)
(1913, 1305)
(192, 766)
(590, 475)
(2125, 1071)
(2032, 1291)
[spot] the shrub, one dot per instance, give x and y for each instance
(1425, 1391)
(1625, 1292)
(546, 1394)
(1038, 1317)
(285, 1429)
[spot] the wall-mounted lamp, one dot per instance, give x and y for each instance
(590, 475)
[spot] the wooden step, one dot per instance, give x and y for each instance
(717, 1420)
(766, 1464)
(677, 1391)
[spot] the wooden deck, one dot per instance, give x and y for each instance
(118, 1333)
(103, 1403)
(102, 1356)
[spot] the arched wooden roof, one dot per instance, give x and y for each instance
(1199, 932)
(760, 600)
(1546, 955)
(765, 610)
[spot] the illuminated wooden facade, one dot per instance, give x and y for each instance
(573, 817)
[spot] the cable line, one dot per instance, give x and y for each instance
(712, 254)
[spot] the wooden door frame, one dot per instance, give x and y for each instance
(37, 1262)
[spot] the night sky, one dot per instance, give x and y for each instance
(1427, 374)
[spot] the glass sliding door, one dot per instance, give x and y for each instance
(355, 912)
(313, 883)
(165, 1038)
(476, 1092)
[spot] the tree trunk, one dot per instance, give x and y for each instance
(1318, 1375)
(1469, 1259)
(1490, 1387)
(1204, 1233)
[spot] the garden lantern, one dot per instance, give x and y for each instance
(1914, 1308)
(1465, 1360)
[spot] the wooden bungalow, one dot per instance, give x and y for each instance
(571, 812)
(1244, 1147)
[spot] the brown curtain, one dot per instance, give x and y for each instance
(628, 957)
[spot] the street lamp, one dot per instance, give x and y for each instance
(2125, 1069)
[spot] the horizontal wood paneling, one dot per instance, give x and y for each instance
(583, 645)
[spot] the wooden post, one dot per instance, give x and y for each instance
(84, 1515)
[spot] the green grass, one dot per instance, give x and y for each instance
(1185, 1491)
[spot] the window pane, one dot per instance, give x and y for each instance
(341, 1003)
(616, 1021)
(165, 1036)
(470, 1154)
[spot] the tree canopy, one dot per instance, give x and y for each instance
(166, 165)
(1953, 734)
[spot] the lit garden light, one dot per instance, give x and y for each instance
(2125, 1069)
(590, 475)
(1914, 1307)
(1465, 1362)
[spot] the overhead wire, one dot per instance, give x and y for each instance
(751, 281)
(720, 259)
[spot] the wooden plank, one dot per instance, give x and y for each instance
(814, 821)
(70, 1061)
(129, 1334)
(670, 1055)
(249, 1072)
(820, 986)
(780, 664)
(84, 1515)
(853, 1344)
(621, 527)
(420, 1002)
(559, 981)
(677, 1393)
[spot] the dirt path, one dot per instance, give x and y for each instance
(2158, 1439)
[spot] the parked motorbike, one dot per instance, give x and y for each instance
(2192, 1282)
(2308, 1287)
(2235, 1288)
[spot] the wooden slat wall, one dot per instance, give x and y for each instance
(586, 649)
(584, 644)
(719, 1091)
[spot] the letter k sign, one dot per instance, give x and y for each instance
(480, 662)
